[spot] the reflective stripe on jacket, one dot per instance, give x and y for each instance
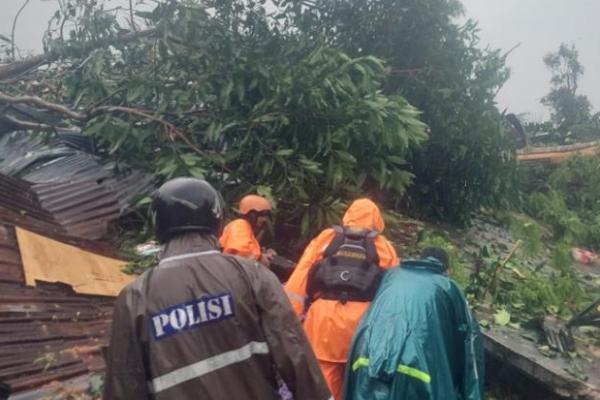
(207, 325)
(238, 238)
(329, 324)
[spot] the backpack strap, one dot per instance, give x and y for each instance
(311, 285)
(338, 240)
(369, 243)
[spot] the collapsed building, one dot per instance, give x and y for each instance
(58, 276)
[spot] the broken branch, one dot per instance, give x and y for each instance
(172, 130)
(21, 66)
(17, 123)
(37, 101)
(14, 25)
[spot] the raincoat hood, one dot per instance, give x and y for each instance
(430, 263)
(363, 213)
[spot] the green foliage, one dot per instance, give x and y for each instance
(528, 290)
(571, 206)
(551, 209)
(561, 258)
(529, 232)
(438, 66)
(233, 95)
(579, 181)
(585, 131)
(95, 386)
(140, 264)
(542, 295)
(502, 317)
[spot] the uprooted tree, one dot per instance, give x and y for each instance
(219, 92)
(252, 98)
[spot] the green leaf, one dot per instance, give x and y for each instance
(144, 200)
(197, 172)
(345, 156)
(284, 152)
(226, 91)
(241, 91)
(136, 93)
(304, 225)
(502, 317)
(396, 160)
(190, 159)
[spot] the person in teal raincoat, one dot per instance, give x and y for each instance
(419, 339)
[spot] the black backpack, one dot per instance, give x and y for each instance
(349, 270)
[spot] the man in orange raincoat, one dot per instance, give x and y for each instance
(240, 235)
(330, 324)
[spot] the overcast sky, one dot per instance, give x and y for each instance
(538, 25)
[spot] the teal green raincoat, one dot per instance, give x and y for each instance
(419, 340)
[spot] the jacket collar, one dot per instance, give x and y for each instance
(192, 242)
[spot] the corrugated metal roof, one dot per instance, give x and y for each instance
(79, 190)
(19, 205)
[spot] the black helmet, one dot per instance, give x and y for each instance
(186, 205)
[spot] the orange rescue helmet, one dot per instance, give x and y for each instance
(256, 203)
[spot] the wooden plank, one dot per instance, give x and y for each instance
(556, 157)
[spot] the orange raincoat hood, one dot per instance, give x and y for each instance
(363, 213)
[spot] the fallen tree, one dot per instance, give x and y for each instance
(227, 94)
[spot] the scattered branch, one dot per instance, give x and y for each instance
(18, 67)
(491, 286)
(133, 27)
(16, 77)
(516, 46)
(25, 124)
(14, 25)
(172, 130)
(108, 97)
(39, 102)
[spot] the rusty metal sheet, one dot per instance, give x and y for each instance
(42, 327)
(48, 334)
(40, 379)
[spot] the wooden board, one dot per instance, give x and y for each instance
(557, 156)
(49, 260)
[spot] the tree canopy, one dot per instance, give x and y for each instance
(438, 65)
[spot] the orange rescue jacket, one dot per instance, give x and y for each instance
(329, 324)
(238, 239)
